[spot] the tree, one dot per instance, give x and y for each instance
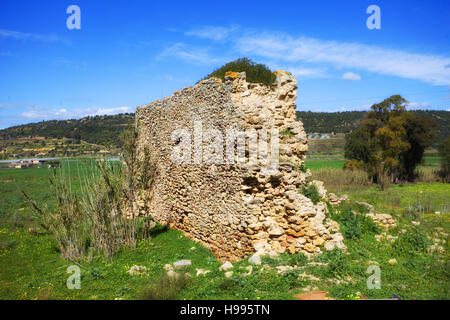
(390, 141)
(420, 134)
(444, 150)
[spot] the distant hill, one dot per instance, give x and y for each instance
(344, 122)
(101, 130)
(99, 133)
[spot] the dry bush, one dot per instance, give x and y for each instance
(166, 288)
(102, 216)
(384, 180)
(427, 175)
(338, 180)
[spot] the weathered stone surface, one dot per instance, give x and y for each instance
(227, 265)
(137, 270)
(384, 220)
(255, 259)
(199, 272)
(234, 209)
(182, 264)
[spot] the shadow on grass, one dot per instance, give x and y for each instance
(158, 229)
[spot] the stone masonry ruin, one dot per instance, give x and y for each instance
(235, 209)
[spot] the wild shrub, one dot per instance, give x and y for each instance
(427, 175)
(353, 164)
(287, 132)
(102, 217)
(310, 191)
(298, 259)
(383, 179)
(338, 180)
(165, 288)
(354, 223)
(338, 263)
(255, 72)
(302, 167)
(415, 240)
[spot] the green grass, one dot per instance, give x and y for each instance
(337, 161)
(31, 267)
(320, 164)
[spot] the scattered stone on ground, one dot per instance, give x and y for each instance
(308, 277)
(283, 269)
(182, 264)
(168, 267)
(255, 259)
(249, 271)
(384, 220)
(137, 270)
(201, 271)
(228, 274)
(391, 238)
(393, 261)
(415, 223)
(265, 267)
(227, 265)
(335, 200)
(435, 248)
(341, 281)
(317, 264)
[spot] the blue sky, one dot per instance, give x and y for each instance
(129, 53)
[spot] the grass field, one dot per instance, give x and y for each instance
(31, 267)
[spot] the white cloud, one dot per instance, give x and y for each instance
(213, 32)
(307, 72)
(196, 55)
(423, 67)
(32, 36)
(417, 105)
(365, 107)
(351, 76)
(44, 113)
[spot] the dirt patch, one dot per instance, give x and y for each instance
(313, 295)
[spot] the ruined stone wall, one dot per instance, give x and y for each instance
(235, 209)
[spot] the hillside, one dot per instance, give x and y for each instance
(102, 130)
(91, 135)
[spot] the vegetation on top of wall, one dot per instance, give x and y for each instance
(256, 72)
